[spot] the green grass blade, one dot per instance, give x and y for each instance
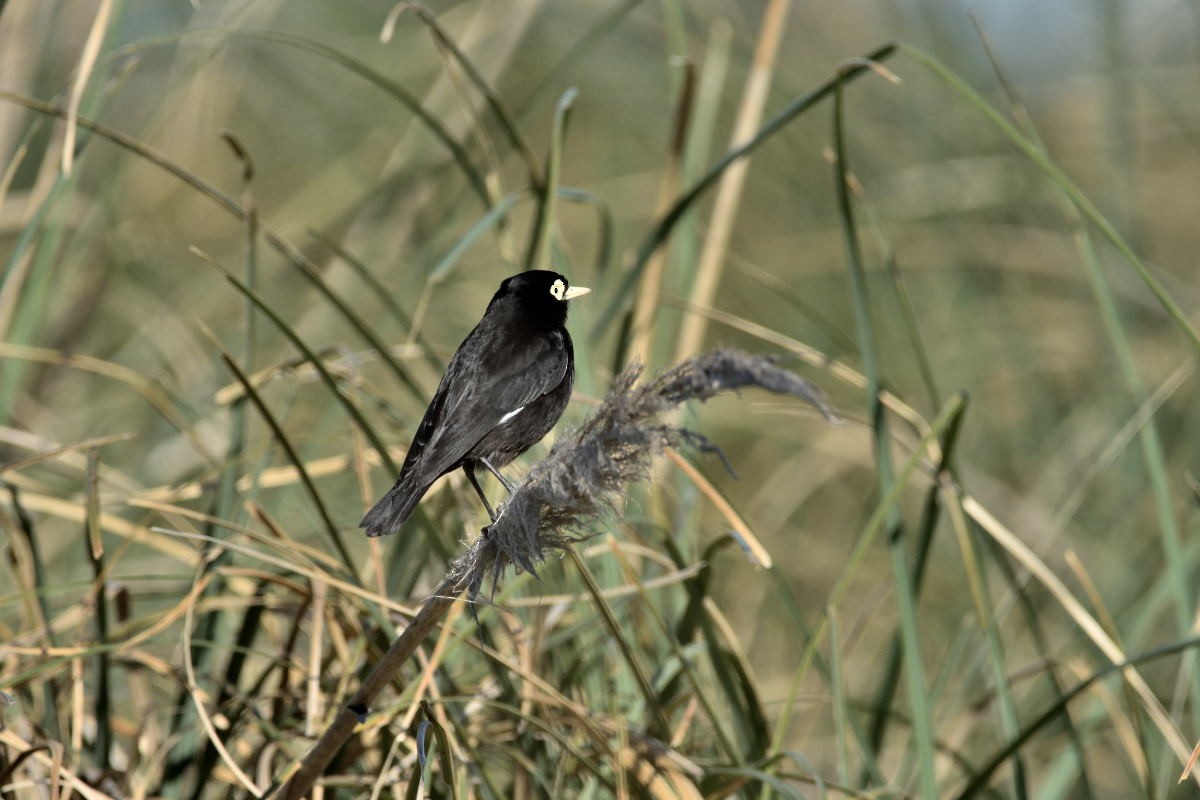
(903, 297)
(226, 506)
(664, 227)
(364, 273)
(604, 224)
(389, 86)
(837, 691)
(984, 773)
(293, 456)
(494, 216)
(318, 364)
(491, 97)
(914, 670)
(348, 313)
(882, 440)
(1052, 171)
(1042, 642)
(695, 616)
(969, 547)
(657, 722)
(580, 48)
(885, 694)
(864, 327)
(539, 251)
(945, 418)
(1179, 577)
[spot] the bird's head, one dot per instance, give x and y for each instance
(540, 293)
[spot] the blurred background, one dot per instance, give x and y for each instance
(400, 159)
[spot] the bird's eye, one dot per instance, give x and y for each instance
(558, 289)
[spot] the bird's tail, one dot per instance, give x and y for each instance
(394, 509)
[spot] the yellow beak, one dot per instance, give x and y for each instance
(576, 291)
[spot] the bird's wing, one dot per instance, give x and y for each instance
(488, 378)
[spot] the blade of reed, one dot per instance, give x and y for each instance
(914, 670)
(293, 456)
(1052, 171)
(877, 523)
(539, 250)
(872, 772)
(604, 224)
(666, 224)
(318, 364)
(577, 50)
(226, 504)
(657, 722)
(1086, 623)
(348, 313)
(837, 700)
(969, 547)
(1046, 651)
(389, 86)
(446, 264)
(497, 213)
(364, 273)
(983, 775)
(154, 395)
(885, 694)
(881, 437)
(707, 114)
(685, 663)
(55, 452)
(87, 61)
(729, 192)
(102, 707)
(900, 290)
(1179, 578)
(641, 346)
(490, 95)
(23, 283)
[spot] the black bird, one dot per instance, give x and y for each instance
(505, 387)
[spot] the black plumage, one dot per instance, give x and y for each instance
(503, 390)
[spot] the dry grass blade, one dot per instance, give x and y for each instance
(1086, 622)
(45, 455)
(640, 350)
(49, 762)
(150, 392)
(1191, 762)
(586, 473)
(198, 697)
(87, 61)
(729, 195)
(745, 537)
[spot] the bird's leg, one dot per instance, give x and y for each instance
(499, 477)
(469, 468)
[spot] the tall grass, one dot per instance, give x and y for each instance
(239, 244)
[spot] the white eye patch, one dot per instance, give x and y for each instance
(558, 289)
